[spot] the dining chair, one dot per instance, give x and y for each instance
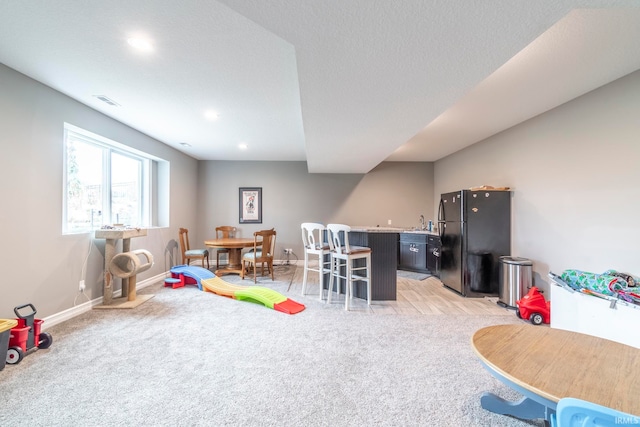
(345, 257)
(224, 232)
(314, 245)
(572, 412)
(188, 253)
(264, 244)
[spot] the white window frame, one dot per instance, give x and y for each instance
(109, 147)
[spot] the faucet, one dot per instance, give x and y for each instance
(422, 224)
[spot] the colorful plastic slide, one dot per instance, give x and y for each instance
(191, 275)
(258, 294)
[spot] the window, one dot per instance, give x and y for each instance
(105, 182)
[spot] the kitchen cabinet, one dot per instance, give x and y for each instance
(434, 249)
(413, 252)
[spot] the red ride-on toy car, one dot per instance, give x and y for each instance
(533, 307)
(26, 336)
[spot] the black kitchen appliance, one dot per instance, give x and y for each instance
(475, 231)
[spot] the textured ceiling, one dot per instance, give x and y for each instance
(342, 84)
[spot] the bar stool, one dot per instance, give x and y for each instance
(313, 242)
(344, 256)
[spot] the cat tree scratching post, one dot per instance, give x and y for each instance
(110, 269)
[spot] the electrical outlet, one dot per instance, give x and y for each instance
(288, 251)
(81, 286)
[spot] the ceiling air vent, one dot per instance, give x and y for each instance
(107, 100)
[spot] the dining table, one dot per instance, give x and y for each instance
(545, 365)
(235, 246)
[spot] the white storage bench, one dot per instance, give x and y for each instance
(587, 314)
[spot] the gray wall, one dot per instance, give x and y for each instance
(397, 191)
(575, 175)
(574, 171)
(42, 266)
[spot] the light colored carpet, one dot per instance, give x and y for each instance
(190, 358)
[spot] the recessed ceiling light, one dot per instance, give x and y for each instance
(142, 44)
(243, 146)
(211, 115)
(185, 144)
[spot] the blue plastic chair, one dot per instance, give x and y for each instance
(572, 412)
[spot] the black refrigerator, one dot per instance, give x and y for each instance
(475, 230)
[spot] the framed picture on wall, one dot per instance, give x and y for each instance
(250, 205)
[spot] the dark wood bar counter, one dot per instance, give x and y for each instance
(384, 261)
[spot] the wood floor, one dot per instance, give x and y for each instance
(428, 296)
(414, 297)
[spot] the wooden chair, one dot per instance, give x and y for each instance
(188, 253)
(313, 242)
(261, 253)
(224, 232)
(343, 257)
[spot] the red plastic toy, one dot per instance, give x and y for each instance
(533, 307)
(26, 336)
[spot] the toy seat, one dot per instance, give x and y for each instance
(188, 253)
(345, 256)
(313, 242)
(572, 412)
(224, 232)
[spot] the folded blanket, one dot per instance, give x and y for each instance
(611, 282)
(631, 281)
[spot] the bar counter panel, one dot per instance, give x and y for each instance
(384, 263)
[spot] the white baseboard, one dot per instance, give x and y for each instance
(275, 262)
(72, 312)
(77, 310)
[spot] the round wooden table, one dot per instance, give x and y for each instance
(546, 364)
(235, 245)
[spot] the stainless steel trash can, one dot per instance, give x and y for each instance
(516, 278)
